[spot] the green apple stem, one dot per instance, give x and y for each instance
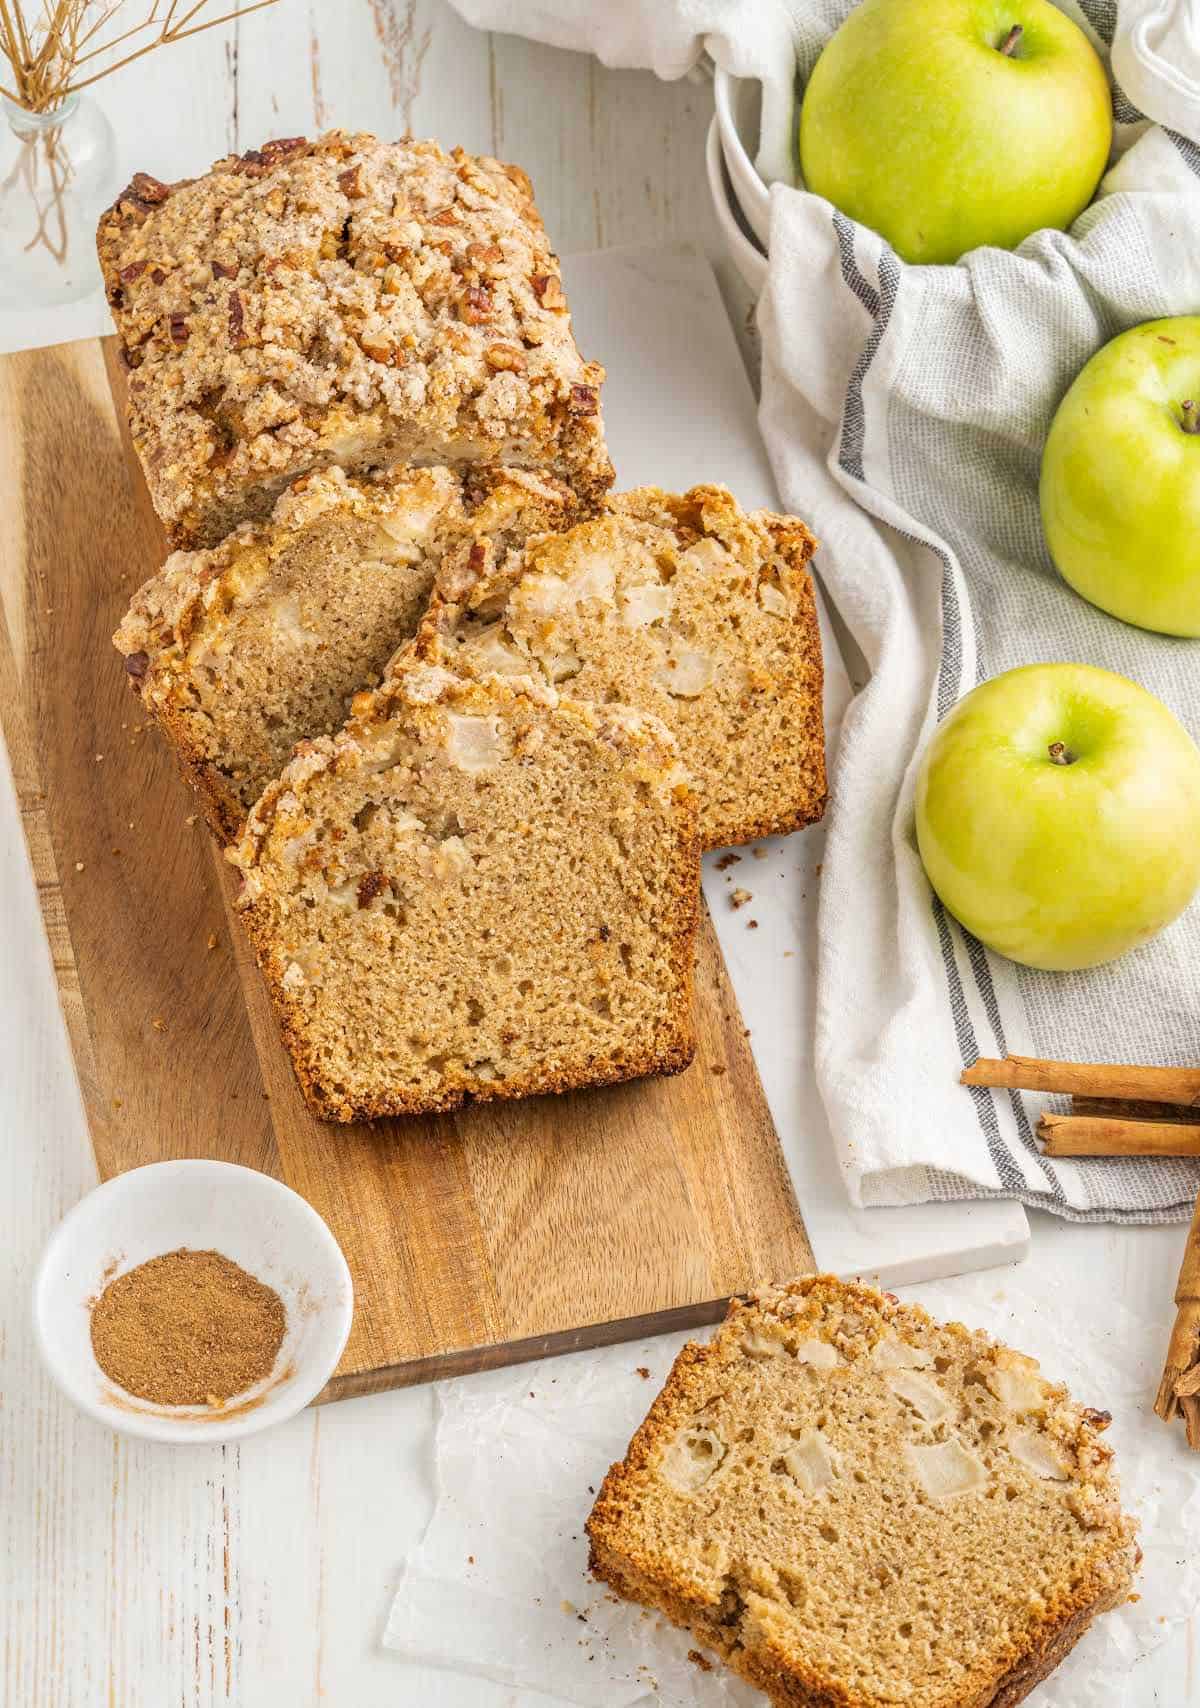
(1190, 413)
(1059, 754)
(1009, 45)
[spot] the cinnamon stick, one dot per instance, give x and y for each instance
(1088, 1079)
(1179, 1390)
(1098, 1135)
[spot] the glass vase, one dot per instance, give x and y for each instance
(58, 172)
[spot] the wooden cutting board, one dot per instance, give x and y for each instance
(506, 1232)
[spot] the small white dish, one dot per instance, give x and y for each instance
(745, 254)
(250, 1218)
(739, 102)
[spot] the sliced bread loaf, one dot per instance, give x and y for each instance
(858, 1506)
(240, 651)
(475, 891)
(684, 606)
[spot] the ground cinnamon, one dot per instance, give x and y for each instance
(187, 1328)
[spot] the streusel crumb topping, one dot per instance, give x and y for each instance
(274, 311)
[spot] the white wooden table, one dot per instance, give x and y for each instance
(259, 1575)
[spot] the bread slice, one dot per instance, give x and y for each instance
(858, 1506)
(475, 891)
(241, 651)
(684, 606)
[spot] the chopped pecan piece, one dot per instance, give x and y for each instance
(584, 400)
(237, 318)
(222, 270)
(504, 358)
(144, 188)
(137, 664)
(477, 305)
(378, 347)
(134, 270)
(179, 329)
(370, 885)
(351, 181)
(444, 216)
(484, 254)
(257, 160)
(157, 275)
(521, 179)
(547, 288)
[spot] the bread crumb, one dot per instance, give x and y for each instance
(728, 860)
(79, 865)
(190, 819)
(158, 1023)
(212, 940)
(717, 1067)
(759, 853)
(702, 1661)
(569, 1607)
(739, 898)
(752, 925)
(644, 1372)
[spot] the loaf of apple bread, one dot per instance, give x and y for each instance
(343, 301)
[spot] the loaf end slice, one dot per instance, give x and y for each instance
(856, 1506)
(341, 301)
(684, 605)
(242, 650)
(476, 890)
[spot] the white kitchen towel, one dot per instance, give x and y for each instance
(904, 409)
(1155, 48)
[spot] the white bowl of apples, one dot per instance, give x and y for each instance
(987, 133)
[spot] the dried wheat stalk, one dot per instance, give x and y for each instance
(48, 55)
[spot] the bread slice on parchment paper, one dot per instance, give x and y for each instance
(856, 1506)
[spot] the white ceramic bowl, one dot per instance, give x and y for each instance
(257, 1222)
(745, 254)
(738, 103)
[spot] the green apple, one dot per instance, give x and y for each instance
(948, 124)
(1121, 478)
(1058, 815)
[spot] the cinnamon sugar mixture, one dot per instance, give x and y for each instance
(187, 1328)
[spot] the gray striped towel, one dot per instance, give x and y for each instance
(924, 396)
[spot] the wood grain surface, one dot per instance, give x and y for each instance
(505, 1232)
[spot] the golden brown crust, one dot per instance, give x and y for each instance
(719, 1616)
(341, 301)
